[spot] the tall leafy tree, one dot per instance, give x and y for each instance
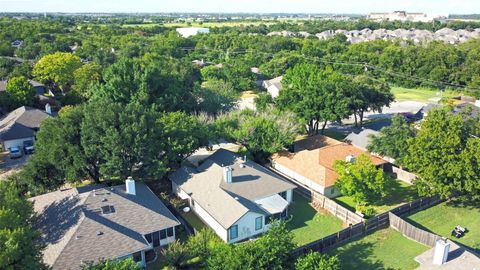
(114, 264)
(360, 179)
(445, 153)
(315, 95)
(21, 92)
(216, 96)
(85, 77)
(19, 244)
(57, 69)
(317, 261)
(393, 140)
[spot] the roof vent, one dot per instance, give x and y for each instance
(350, 159)
(130, 186)
(104, 200)
(99, 233)
(242, 165)
(94, 192)
(236, 198)
(227, 174)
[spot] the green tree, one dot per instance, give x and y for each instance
(85, 77)
(57, 69)
(21, 92)
(216, 97)
(114, 264)
(175, 255)
(263, 101)
(317, 261)
(393, 140)
(19, 245)
(316, 96)
(262, 133)
(444, 154)
(360, 179)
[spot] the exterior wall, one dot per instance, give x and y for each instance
(273, 91)
(17, 142)
(299, 178)
(332, 192)
(180, 193)
(289, 195)
(246, 227)
(168, 240)
(210, 221)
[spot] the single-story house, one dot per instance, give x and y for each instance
(234, 196)
(38, 86)
(87, 224)
(362, 138)
(20, 125)
(273, 86)
(310, 162)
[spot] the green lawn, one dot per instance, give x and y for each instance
(398, 192)
(419, 94)
(193, 220)
(384, 249)
(217, 24)
(335, 134)
(442, 219)
(309, 225)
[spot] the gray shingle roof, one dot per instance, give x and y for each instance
(16, 124)
(361, 139)
(228, 202)
(70, 220)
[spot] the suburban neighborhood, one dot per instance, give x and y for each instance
(161, 136)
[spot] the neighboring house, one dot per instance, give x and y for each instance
(235, 197)
(38, 86)
(20, 125)
(192, 31)
(361, 139)
(273, 86)
(97, 222)
(310, 162)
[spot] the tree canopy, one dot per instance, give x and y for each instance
(58, 69)
(20, 92)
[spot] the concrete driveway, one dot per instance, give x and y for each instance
(9, 166)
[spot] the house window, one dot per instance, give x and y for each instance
(283, 195)
(170, 232)
(258, 223)
(233, 232)
(156, 239)
(163, 234)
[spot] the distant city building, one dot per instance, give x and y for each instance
(192, 31)
(405, 16)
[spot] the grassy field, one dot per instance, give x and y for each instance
(384, 249)
(193, 220)
(420, 94)
(398, 192)
(217, 24)
(309, 225)
(442, 219)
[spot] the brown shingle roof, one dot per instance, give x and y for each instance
(315, 156)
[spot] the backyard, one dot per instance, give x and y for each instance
(384, 249)
(308, 225)
(398, 192)
(442, 219)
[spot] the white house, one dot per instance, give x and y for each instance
(273, 86)
(192, 31)
(98, 222)
(20, 125)
(234, 196)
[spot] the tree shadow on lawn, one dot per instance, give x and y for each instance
(464, 202)
(359, 256)
(397, 193)
(301, 212)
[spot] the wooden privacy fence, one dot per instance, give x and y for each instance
(412, 232)
(368, 226)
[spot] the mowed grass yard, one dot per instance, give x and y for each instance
(420, 94)
(398, 192)
(442, 219)
(384, 249)
(308, 225)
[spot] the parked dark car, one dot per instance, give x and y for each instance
(28, 147)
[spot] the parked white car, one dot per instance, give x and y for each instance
(15, 152)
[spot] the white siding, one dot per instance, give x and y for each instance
(299, 178)
(289, 195)
(273, 91)
(246, 226)
(17, 142)
(180, 193)
(211, 222)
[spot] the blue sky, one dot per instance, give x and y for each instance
(257, 6)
